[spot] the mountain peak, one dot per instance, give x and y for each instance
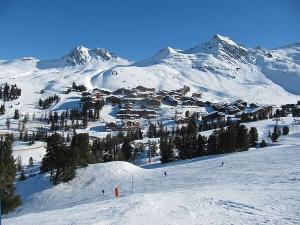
(218, 40)
(219, 46)
(82, 55)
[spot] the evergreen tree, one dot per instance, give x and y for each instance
(126, 149)
(231, 137)
(59, 160)
(285, 130)
(81, 149)
(9, 199)
(276, 133)
(202, 142)
(166, 150)
(263, 144)
(16, 115)
(242, 138)
(253, 136)
(7, 123)
(212, 143)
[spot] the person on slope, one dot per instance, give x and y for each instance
(222, 164)
(165, 173)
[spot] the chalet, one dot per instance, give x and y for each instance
(200, 103)
(214, 117)
(189, 103)
(219, 107)
(232, 110)
(147, 113)
(138, 94)
(111, 126)
(127, 105)
(101, 91)
(259, 112)
(240, 104)
(150, 102)
(136, 113)
(168, 100)
(185, 98)
(130, 125)
(197, 95)
(113, 100)
(144, 89)
(127, 116)
(122, 91)
(162, 93)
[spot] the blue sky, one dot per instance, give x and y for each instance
(136, 29)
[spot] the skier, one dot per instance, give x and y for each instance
(165, 173)
(102, 192)
(222, 164)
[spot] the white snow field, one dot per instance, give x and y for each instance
(260, 186)
(220, 68)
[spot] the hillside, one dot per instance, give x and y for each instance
(254, 187)
(220, 68)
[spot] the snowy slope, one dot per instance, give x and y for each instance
(256, 187)
(220, 68)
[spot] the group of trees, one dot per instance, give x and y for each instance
(79, 117)
(79, 88)
(9, 92)
(277, 132)
(45, 104)
(296, 110)
(62, 159)
(116, 147)
(9, 199)
(190, 144)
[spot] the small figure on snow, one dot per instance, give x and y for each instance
(222, 164)
(103, 192)
(165, 173)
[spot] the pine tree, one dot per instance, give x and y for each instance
(276, 133)
(7, 123)
(16, 115)
(242, 138)
(263, 144)
(9, 199)
(126, 149)
(212, 143)
(166, 150)
(253, 136)
(285, 130)
(59, 160)
(231, 133)
(202, 142)
(81, 149)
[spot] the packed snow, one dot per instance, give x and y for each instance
(260, 186)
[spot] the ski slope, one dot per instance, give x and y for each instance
(260, 186)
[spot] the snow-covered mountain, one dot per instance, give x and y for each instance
(220, 68)
(82, 55)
